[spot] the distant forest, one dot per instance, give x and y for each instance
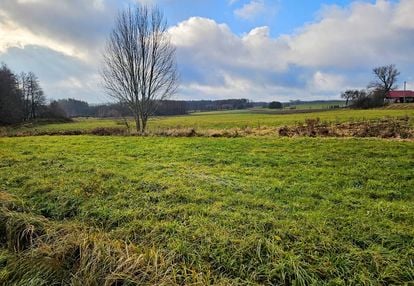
(78, 108)
(22, 100)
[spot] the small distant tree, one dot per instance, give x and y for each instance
(275, 105)
(385, 81)
(139, 62)
(354, 96)
(348, 95)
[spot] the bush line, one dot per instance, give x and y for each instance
(400, 128)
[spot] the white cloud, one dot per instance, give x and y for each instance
(359, 35)
(241, 87)
(362, 35)
(251, 10)
(318, 60)
(404, 15)
(205, 42)
(326, 82)
(13, 35)
(335, 52)
(77, 28)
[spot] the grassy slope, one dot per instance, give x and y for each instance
(232, 119)
(254, 210)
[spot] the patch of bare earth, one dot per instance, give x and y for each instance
(381, 128)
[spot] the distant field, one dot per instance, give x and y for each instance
(321, 105)
(213, 211)
(230, 119)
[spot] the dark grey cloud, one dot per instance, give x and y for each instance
(84, 24)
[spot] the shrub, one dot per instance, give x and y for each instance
(275, 105)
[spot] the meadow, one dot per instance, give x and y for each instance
(115, 210)
(255, 118)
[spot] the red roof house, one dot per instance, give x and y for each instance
(401, 95)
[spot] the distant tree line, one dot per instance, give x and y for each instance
(211, 105)
(164, 108)
(22, 98)
(78, 108)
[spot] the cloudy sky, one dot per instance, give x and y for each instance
(256, 49)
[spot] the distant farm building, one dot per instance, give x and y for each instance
(401, 96)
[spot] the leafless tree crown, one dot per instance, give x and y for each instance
(32, 93)
(139, 62)
(386, 78)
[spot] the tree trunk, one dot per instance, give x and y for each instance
(33, 108)
(144, 124)
(137, 123)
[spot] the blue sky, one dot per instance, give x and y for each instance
(255, 49)
(283, 16)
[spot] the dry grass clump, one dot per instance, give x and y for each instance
(26, 133)
(215, 133)
(10, 202)
(175, 132)
(108, 131)
(383, 128)
(227, 133)
(99, 131)
(400, 106)
(36, 251)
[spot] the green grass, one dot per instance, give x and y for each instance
(229, 119)
(244, 211)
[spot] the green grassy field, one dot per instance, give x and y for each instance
(87, 210)
(227, 119)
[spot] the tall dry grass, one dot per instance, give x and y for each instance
(43, 252)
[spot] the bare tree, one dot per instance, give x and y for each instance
(348, 96)
(36, 95)
(386, 79)
(353, 95)
(139, 62)
(32, 93)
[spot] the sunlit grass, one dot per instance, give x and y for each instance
(214, 210)
(227, 120)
